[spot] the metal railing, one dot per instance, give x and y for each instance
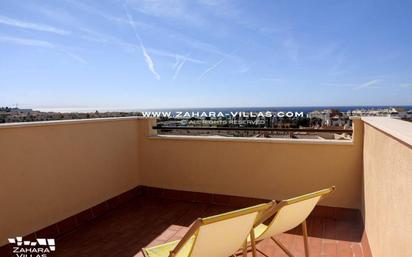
(290, 130)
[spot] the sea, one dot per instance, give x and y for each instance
(304, 109)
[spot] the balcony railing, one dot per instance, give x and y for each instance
(289, 130)
(292, 133)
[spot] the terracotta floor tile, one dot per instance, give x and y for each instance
(329, 248)
(145, 221)
(166, 235)
(356, 250)
(344, 249)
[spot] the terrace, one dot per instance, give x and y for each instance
(108, 187)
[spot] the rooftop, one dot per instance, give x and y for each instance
(114, 186)
(144, 222)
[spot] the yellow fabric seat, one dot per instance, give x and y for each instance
(164, 249)
(215, 236)
(285, 216)
(259, 230)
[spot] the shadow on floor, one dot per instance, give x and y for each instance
(148, 221)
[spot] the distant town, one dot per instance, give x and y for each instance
(316, 124)
(14, 114)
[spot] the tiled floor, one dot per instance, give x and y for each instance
(146, 221)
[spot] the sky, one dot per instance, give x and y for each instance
(124, 54)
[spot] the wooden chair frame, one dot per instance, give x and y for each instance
(273, 210)
(270, 209)
(194, 228)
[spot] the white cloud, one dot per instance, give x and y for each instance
(368, 84)
(74, 56)
(173, 55)
(150, 63)
(40, 43)
(171, 9)
(147, 58)
(25, 41)
(176, 63)
(98, 37)
(174, 35)
(355, 86)
(92, 35)
(225, 56)
(167, 8)
(214, 66)
(179, 66)
(235, 12)
(33, 26)
(109, 17)
(244, 69)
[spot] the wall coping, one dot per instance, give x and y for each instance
(399, 129)
(251, 140)
(64, 122)
(177, 137)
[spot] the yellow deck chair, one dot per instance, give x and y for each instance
(216, 236)
(286, 215)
